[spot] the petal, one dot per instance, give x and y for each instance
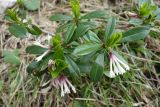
(124, 64)
(66, 89)
(112, 74)
(39, 44)
(111, 63)
(72, 87)
(120, 68)
(62, 91)
(115, 68)
(41, 56)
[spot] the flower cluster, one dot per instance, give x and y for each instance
(64, 84)
(117, 66)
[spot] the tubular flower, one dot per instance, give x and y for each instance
(43, 46)
(44, 54)
(116, 66)
(64, 84)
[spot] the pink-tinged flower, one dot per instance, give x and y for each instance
(116, 66)
(63, 84)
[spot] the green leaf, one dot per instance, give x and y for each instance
(69, 33)
(100, 60)
(135, 34)
(58, 53)
(60, 17)
(32, 67)
(62, 27)
(85, 64)
(112, 41)
(34, 49)
(85, 67)
(110, 27)
(12, 15)
(31, 4)
(75, 7)
(87, 58)
(39, 68)
(85, 49)
(97, 68)
(81, 29)
(18, 31)
(72, 66)
(96, 72)
(92, 37)
(34, 30)
(95, 14)
(60, 65)
(55, 74)
(135, 22)
(56, 40)
(11, 57)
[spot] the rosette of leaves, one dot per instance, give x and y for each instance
(76, 25)
(147, 11)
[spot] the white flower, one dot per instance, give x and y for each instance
(116, 66)
(44, 54)
(41, 56)
(44, 46)
(4, 4)
(131, 14)
(64, 84)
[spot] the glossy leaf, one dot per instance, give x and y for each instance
(69, 33)
(100, 60)
(92, 37)
(95, 14)
(34, 30)
(85, 67)
(110, 27)
(60, 17)
(85, 49)
(96, 72)
(72, 66)
(34, 49)
(135, 22)
(32, 67)
(97, 68)
(39, 68)
(135, 34)
(82, 29)
(18, 31)
(62, 27)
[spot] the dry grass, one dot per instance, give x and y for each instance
(139, 88)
